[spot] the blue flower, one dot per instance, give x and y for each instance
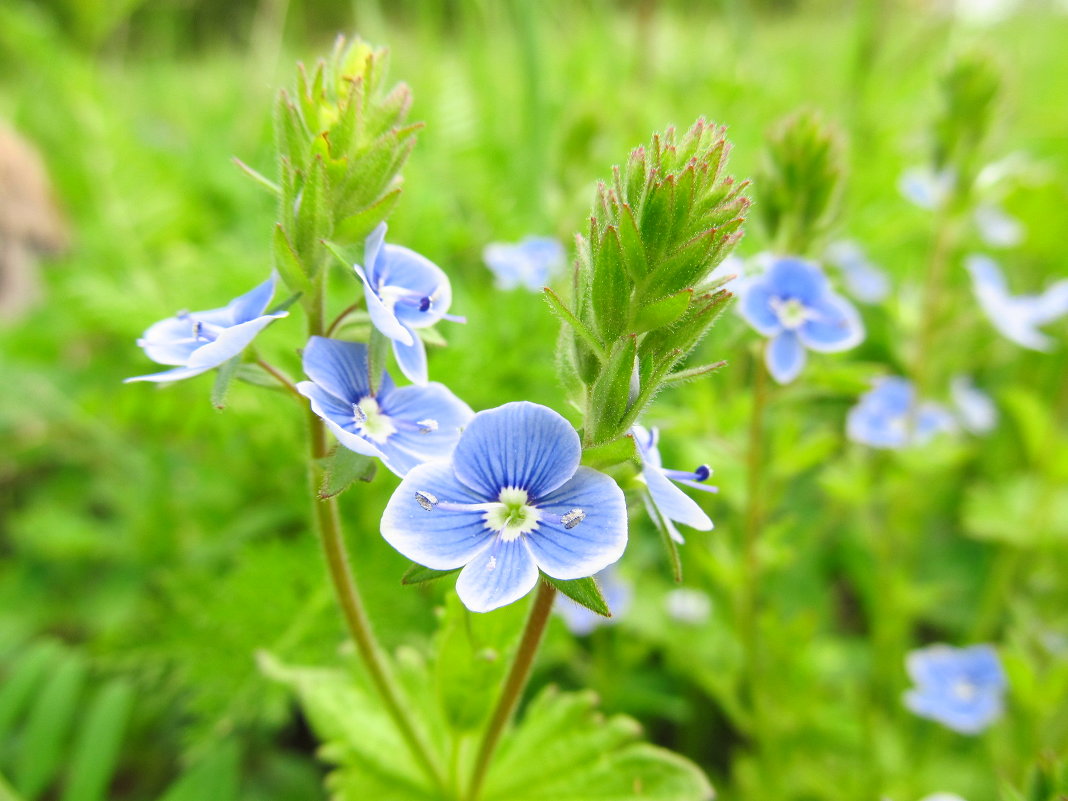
(926, 187)
(403, 427)
(688, 605)
(864, 281)
(666, 502)
(404, 292)
(1017, 317)
(198, 341)
(975, 410)
(961, 688)
(511, 500)
(883, 418)
(581, 621)
(793, 303)
(996, 228)
(529, 264)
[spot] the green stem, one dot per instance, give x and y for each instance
(513, 685)
(933, 286)
(280, 377)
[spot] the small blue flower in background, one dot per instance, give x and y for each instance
(884, 417)
(201, 340)
(530, 263)
(975, 409)
(996, 228)
(731, 271)
(1016, 317)
(404, 292)
(511, 500)
(926, 187)
(687, 605)
(402, 427)
(666, 502)
(863, 280)
(961, 688)
(617, 593)
(794, 305)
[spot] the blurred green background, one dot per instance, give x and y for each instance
(150, 544)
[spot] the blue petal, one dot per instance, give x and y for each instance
(791, 278)
(835, 325)
(996, 228)
(383, 316)
(177, 374)
(411, 358)
(405, 269)
(231, 341)
(372, 246)
(252, 304)
(785, 357)
(931, 419)
(338, 416)
(975, 408)
(593, 544)
(441, 539)
(1051, 304)
(338, 367)
(499, 575)
(406, 448)
(522, 445)
(756, 308)
(673, 503)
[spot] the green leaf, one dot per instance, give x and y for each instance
(258, 177)
(559, 308)
(217, 777)
(6, 793)
(610, 288)
(355, 228)
(96, 753)
(342, 469)
(288, 263)
(313, 217)
(618, 451)
(661, 312)
(583, 591)
(417, 574)
(582, 757)
(610, 397)
(223, 378)
(17, 689)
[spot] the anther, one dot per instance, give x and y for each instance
(359, 414)
(197, 327)
(573, 518)
(702, 473)
(426, 500)
(427, 426)
(424, 304)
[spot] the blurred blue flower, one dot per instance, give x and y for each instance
(404, 291)
(666, 502)
(975, 409)
(884, 417)
(793, 303)
(863, 280)
(1016, 317)
(617, 594)
(996, 228)
(688, 605)
(926, 187)
(731, 272)
(511, 500)
(402, 427)
(530, 263)
(198, 341)
(961, 688)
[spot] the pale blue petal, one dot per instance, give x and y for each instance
(795, 279)
(177, 374)
(405, 269)
(646, 440)
(499, 575)
(522, 445)
(175, 351)
(674, 504)
(835, 325)
(231, 341)
(339, 419)
(372, 246)
(441, 539)
(252, 304)
(785, 357)
(338, 367)
(383, 316)
(976, 410)
(593, 544)
(1051, 304)
(927, 188)
(412, 358)
(996, 228)
(931, 419)
(755, 307)
(406, 448)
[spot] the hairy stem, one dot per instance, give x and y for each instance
(513, 685)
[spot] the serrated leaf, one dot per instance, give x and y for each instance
(418, 574)
(661, 312)
(356, 227)
(616, 452)
(342, 469)
(583, 591)
(223, 378)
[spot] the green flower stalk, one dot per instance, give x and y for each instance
(642, 294)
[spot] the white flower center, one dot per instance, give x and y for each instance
(511, 515)
(370, 422)
(792, 313)
(964, 690)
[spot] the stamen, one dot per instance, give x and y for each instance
(197, 327)
(426, 500)
(359, 414)
(702, 473)
(427, 426)
(573, 518)
(424, 304)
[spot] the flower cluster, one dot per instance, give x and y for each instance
(667, 503)
(1016, 317)
(888, 416)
